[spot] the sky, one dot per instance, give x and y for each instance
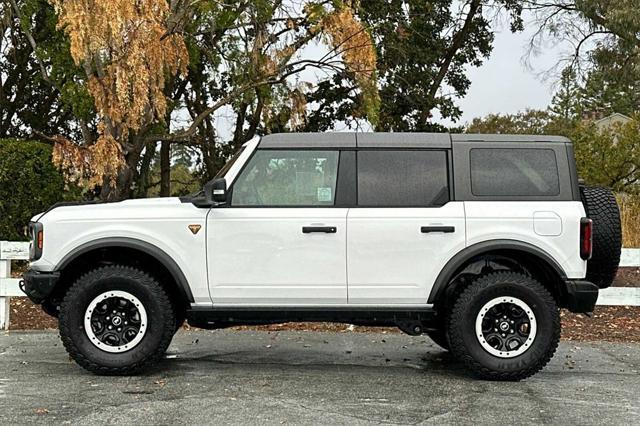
(504, 83)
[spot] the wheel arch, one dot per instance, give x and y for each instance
(516, 250)
(129, 251)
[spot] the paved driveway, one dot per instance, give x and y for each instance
(310, 378)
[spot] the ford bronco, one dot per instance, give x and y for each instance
(475, 240)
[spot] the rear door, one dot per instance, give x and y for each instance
(281, 241)
(404, 228)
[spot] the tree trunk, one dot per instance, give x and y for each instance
(142, 185)
(121, 188)
(165, 169)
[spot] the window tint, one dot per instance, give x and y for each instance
(402, 178)
(514, 172)
(287, 178)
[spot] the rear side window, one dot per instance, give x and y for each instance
(287, 178)
(514, 172)
(402, 178)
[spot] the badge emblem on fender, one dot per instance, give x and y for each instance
(194, 228)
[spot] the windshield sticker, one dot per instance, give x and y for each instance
(324, 194)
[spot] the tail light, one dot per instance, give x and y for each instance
(586, 238)
(37, 240)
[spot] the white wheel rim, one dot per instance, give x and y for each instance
(98, 339)
(527, 341)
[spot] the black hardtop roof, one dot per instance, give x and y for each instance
(391, 140)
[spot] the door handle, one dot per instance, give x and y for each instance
(445, 229)
(324, 229)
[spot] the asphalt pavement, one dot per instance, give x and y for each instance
(289, 377)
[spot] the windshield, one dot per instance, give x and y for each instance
(223, 171)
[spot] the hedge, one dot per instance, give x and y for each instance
(29, 183)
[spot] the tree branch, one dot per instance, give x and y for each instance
(456, 42)
(34, 46)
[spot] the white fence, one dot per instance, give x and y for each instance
(9, 287)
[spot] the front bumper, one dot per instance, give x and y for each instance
(39, 285)
(581, 296)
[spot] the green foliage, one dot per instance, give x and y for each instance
(29, 99)
(29, 183)
(529, 122)
(566, 103)
(620, 17)
(613, 82)
(610, 156)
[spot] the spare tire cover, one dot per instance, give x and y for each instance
(601, 207)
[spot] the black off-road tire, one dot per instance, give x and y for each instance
(602, 208)
(160, 318)
(439, 337)
(465, 345)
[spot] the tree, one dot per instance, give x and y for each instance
(529, 122)
(127, 54)
(41, 89)
(423, 50)
(609, 157)
(135, 58)
(609, 24)
(566, 104)
(612, 84)
(29, 184)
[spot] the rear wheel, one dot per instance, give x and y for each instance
(504, 326)
(116, 320)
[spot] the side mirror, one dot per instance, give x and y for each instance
(218, 191)
(215, 192)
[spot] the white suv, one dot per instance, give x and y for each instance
(475, 240)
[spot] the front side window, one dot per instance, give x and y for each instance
(406, 178)
(287, 178)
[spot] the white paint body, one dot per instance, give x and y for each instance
(259, 256)
(390, 260)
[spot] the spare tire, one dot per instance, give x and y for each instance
(602, 208)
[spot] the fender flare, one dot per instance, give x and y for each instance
(133, 243)
(448, 271)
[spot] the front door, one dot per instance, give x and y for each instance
(280, 241)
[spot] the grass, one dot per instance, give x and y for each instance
(630, 217)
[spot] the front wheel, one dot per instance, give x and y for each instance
(116, 320)
(504, 326)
